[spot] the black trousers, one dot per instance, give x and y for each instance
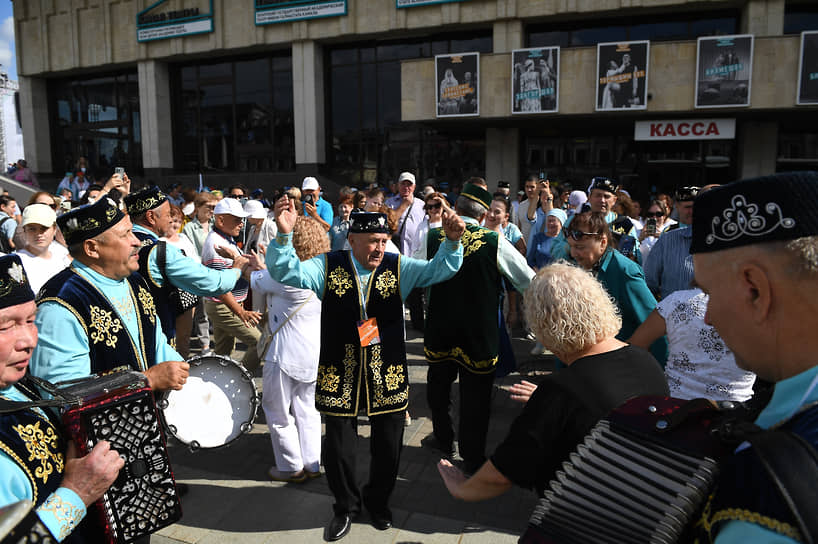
(414, 303)
(340, 454)
(475, 409)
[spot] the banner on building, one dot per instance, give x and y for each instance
(270, 12)
(413, 3)
(535, 80)
(156, 23)
(685, 129)
(622, 75)
(724, 70)
(808, 69)
(457, 84)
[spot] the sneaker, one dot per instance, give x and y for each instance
(285, 476)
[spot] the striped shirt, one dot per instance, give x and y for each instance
(669, 266)
(212, 259)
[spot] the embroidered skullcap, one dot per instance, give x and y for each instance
(772, 208)
(478, 194)
(144, 200)
(88, 221)
(368, 222)
(14, 286)
(606, 184)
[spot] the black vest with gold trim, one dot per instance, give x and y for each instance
(109, 343)
(34, 442)
(462, 323)
(161, 294)
(345, 369)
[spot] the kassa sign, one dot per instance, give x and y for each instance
(685, 129)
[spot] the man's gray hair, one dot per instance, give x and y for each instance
(468, 207)
(803, 254)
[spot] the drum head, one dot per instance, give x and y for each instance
(217, 404)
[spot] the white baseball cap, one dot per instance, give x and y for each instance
(188, 208)
(230, 206)
(407, 175)
(309, 184)
(40, 214)
(255, 209)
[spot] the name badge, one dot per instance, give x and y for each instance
(368, 332)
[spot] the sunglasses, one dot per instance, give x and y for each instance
(432, 206)
(579, 235)
(654, 214)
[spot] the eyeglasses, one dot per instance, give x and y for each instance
(654, 214)
(579, 235)
(432, 206)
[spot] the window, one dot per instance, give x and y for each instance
(799, 17)
(98, 118)
(235, 116)
(367, 142)
(664, 27)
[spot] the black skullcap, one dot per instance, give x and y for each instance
(503, 185)
(88, 221)
(368, 222)
(772, 208)
(14, 286)
(606, 184)
(144, 200)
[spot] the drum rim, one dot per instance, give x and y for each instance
(245, 427)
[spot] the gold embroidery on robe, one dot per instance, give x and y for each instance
(345, 401)
(472, 241)
(339, 281)
(386, 284)
(148, 307)
(67, 515)
(105, 327)
(394, 377)
(42, 447)
(378, 398)
(328, 378)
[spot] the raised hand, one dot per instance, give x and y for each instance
(453, 226)
(285, 214)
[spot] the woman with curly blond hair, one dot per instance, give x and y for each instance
(290, 349)
(572, 315)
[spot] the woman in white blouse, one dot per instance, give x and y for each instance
(42, 258)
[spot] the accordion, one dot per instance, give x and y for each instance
(120, 408)
(641, 475)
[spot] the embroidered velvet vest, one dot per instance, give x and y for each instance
(462, 320)
(161, 294)
(108, 339)
(745, 491)
(345, 369)
(35, 443)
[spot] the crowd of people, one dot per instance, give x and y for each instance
(715, 304)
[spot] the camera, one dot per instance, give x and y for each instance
(119, 170)
(650, 226)
(308, 199)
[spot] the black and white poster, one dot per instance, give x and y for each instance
(535, 80)
(457, 85)
(808, 69)
(724, 70)
(622, 75)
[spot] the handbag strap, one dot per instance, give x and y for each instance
(292, 314)
(792, 464)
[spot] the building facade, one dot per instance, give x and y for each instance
(264, 92)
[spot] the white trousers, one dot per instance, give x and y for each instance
(294, 423)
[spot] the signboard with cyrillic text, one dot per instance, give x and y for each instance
(154, 24)
(269, 12)
(685, 129)
(414, 3)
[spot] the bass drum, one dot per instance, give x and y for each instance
(217, 404)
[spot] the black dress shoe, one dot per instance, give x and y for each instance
(381, 520)
(431, 441)
(338, 527)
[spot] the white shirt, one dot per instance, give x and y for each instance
(294, 319)
(185, 245)
(39, 270)
(699, 365)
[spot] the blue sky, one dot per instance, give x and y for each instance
(7, 58)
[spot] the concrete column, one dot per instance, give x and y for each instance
(508, 35)
(155, 117)
(763, 18)
(308, 101)
(36, 127)
(757, 149)
(502, 156)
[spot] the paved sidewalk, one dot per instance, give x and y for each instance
(232, 500)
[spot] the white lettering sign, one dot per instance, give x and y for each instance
(685, 129)
(295, 13)
(174, 31)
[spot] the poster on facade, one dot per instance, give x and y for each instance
(622, 75)
(457, 85)
(724, 69)
(535, 80)
(269, 12)
(808, 69)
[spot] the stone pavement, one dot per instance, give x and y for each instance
(231, 498)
